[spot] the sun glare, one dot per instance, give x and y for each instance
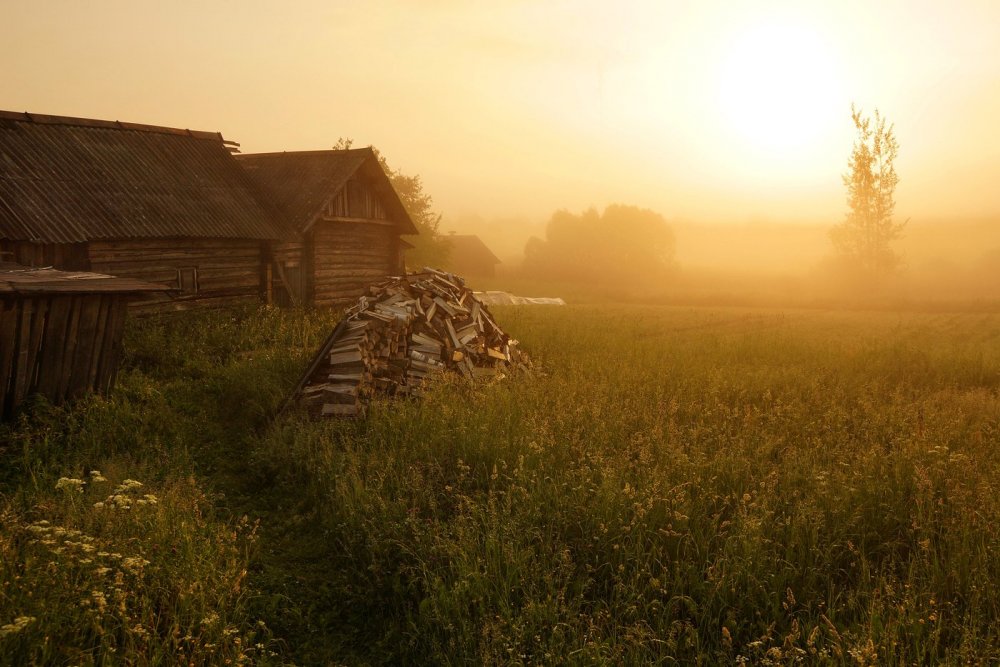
(778, 91)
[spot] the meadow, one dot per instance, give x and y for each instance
(666, 486)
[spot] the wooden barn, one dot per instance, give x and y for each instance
(60, 332)
(346, 216)
(150, 203)
(470, 257)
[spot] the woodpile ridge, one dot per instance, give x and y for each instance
(398, 336)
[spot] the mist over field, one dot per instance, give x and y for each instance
(758, 425)
(954, 262)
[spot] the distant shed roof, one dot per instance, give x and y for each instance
(298, 184)
(18, 279)
(470, 247)
(68, 180)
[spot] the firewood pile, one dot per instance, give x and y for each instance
(393, 340)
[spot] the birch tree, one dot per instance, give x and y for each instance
(865, 236)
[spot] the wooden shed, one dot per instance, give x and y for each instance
(60, 332)
(346, 216)
(150, 203)
(469, 256)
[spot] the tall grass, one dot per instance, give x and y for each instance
(673, 485)
(117, 544)
(668, 485)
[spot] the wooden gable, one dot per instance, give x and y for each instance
(357, 200)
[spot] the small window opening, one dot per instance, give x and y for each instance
(187, 280)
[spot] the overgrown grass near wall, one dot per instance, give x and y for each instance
(671, 485)
(117, 545)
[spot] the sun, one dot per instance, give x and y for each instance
(778, 91)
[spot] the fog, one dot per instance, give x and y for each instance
(729, 120)
(946, 264)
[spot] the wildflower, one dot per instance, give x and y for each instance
(211, 619)
(134, 564)
(101, 571)
(20, 623)
(128, 485)
(70, 483)
(150, 498)
(98, 598)
(98, 505)
(96, 476)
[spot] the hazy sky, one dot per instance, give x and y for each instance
(715, 111)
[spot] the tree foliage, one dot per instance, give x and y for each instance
(622, 244)
(430, 247)
(865, 237)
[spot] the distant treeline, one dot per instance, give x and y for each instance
(622, 244)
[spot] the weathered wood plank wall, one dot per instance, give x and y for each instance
(348, 257)
(58, 345)
(207, 272)
(66, 256)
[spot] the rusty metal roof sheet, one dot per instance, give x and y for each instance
(17, 279)
(67, 180)
(299, 184)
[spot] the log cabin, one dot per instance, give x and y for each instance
(346, 216)
(150, 203)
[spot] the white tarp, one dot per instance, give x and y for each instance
(497, 298)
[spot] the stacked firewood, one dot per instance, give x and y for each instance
(398, 336)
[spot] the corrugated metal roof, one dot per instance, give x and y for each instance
(67, 180)
(299, 184)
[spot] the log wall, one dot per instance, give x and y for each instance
(65, 256)
(347, 257)
(58, 345)
(207, 272)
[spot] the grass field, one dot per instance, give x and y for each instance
(669, 485)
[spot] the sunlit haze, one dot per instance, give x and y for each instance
(713, 112)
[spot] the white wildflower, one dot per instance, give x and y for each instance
(20, 623)
(134, 564)
(70, 483)
(99, 600)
